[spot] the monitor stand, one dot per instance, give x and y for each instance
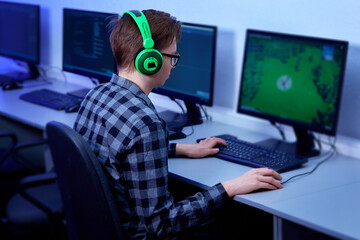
(33, 72)
(304, 144)
(177, 121)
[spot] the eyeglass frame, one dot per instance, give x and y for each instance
(173, 56)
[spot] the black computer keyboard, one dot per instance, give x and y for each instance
(50, 98)
(254, 155)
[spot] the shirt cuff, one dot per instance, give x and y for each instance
(224, 196)
(216, 196)
(172, 150)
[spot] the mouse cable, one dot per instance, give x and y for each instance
(280, 129)
(207, 116)
(181, 107)
(192, 131)
(42, 72)
(46, 77)
(332, 152)
(318, 142)
(328, 142)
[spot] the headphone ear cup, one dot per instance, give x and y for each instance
(149, 61)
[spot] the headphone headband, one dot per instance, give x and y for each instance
(143, 26)
(149, 61)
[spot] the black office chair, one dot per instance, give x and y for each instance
(13, 167)
(17, 161)
(89, 205)
(33, 207)
(36, 212)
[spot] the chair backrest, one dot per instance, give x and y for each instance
(89, 205)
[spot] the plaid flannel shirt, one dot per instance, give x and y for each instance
(130, 140)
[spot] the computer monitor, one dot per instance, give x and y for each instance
(193, 78)
(293, 80)
(20, 34)
(86, 44)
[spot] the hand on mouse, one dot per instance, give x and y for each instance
(254, 179)
(202, 149)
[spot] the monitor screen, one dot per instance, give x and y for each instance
(86, 45)
(295, 80)
(20, 31)
(193, 78)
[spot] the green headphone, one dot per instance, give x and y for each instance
(149, 61)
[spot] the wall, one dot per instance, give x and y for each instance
(321, 18)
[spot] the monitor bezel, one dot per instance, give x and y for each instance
(190, 98)
(37, 10)
(290, 122)
(100, 77)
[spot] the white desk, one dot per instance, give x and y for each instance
(32, 114)
(326, 201)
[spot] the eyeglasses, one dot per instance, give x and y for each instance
(174, 58)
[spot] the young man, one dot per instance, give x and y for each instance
(129, 138)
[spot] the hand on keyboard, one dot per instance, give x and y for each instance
(205, 147)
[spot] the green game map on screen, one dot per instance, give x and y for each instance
(296, 80)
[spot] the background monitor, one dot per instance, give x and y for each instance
(86, 45)
(294, 80)
(20, 33)
(193, 78)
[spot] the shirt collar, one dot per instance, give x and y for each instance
(132, 87)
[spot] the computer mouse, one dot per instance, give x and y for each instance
(11, 85)
(72, 108)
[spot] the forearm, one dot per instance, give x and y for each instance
(181, 149)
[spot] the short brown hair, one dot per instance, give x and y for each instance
(126, 40)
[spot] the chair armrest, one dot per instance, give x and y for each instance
(22, 161)
(34, 181)
(38, 180)
(11, 135)
(13, 141)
